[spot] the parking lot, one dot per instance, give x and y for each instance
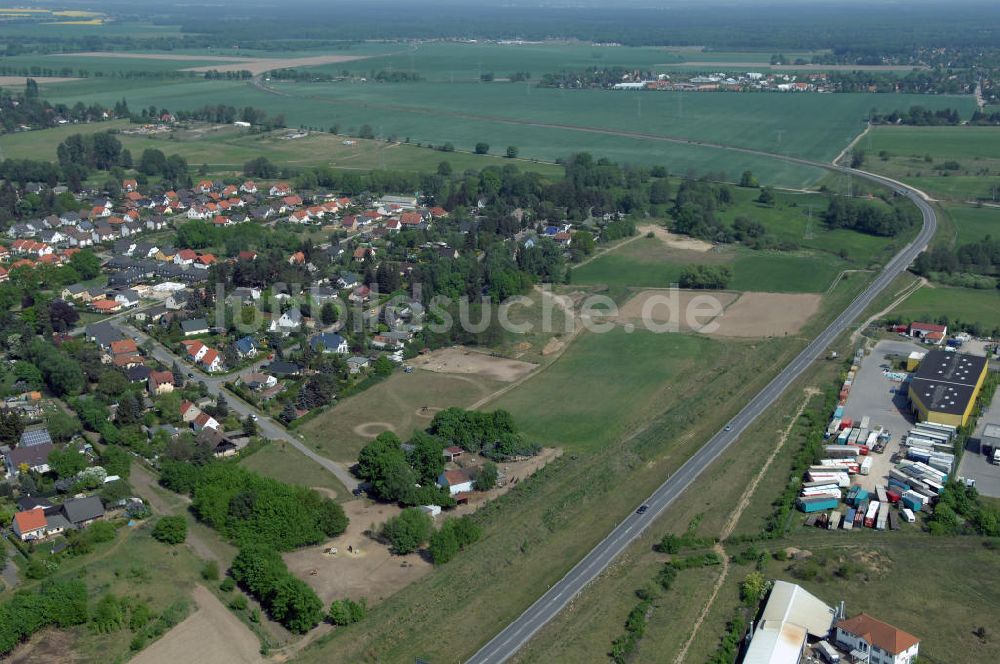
(884, 401)
(974, 464)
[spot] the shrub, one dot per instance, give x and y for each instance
(227, 584)
(454, 535)
(210, 571)
(238, 603)
(347, 611)
(170, 530)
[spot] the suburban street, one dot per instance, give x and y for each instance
(517, 633)
(267, 427)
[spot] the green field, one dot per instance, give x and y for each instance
(638, 374)
(647, 263)
(547, 124)
(974, 223)
(913, 153)
(958, 304)
(224, 148)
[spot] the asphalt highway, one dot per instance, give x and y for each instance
(517, 633)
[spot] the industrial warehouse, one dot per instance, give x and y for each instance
(795, 625)
(895, 436)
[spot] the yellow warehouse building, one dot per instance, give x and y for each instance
(945, 387)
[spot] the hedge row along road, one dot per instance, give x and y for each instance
(517, 633)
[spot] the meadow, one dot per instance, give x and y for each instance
(646, 263)
(639, 375)
(974, 223)
(958, 304)
(225, 149)
(914, 155)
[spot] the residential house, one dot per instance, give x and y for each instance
(456, 481)
(195, 350)
(161, 382)
(259, 381)
(194, 327)
(329, 342)
(246, 347)
(34, 458)
(204, 421)
(283, 368)
(211, 361)
(357, 364)
(177, 300)
(34, 525)
(280, 189)
(348, 280)
(876, 642)
(127, 298)
(287, 323)
(81, 512)
(103, 334)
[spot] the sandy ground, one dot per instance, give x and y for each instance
(230, 63)
(674, 309)
(461, 360)
(768, 314)
(210, 634)
(363, 567)
(373, 429)
(676, 241)
(368, 570)
(41, 80)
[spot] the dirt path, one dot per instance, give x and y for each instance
(146, 485)
(902, 295)
(734, 518)
(851, 145)
(211, 634)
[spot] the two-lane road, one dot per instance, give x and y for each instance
(517, 633)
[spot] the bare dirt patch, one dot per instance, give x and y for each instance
(685, 308)
(427, 412)
(41, 80)
(511, 473)
(361, 567)
(210, 634)
(676, 241)
(461, 360)
(768, 314)
(51, 645)
(373, 429)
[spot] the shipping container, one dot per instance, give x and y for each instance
(842, 436)
(834, 521)
(846, 423)
(934, 426)
(872, 514)
(893, 496)
(908, 515)
(893, 520)
(872, 438)
(882, 519)
(838, 412)
(880, 492)
(859, 516)
(839, 451)
(865, 422)
(820, 504)
(849, 518)
(866, 466)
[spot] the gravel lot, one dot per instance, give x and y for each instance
(884, 402)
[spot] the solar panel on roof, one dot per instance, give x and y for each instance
(36, 437)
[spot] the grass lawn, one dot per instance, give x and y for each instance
(964, 305)
(396, 403)
(639, 374)
(283, 462)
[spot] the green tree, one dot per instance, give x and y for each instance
(748, 180)
(766, 196)
(487, 477)
(328, 313)
(482, 148)
(67, 462)
(512, 152)
(170, 530)
(408, 531)
(426, 457)
(753, 588)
